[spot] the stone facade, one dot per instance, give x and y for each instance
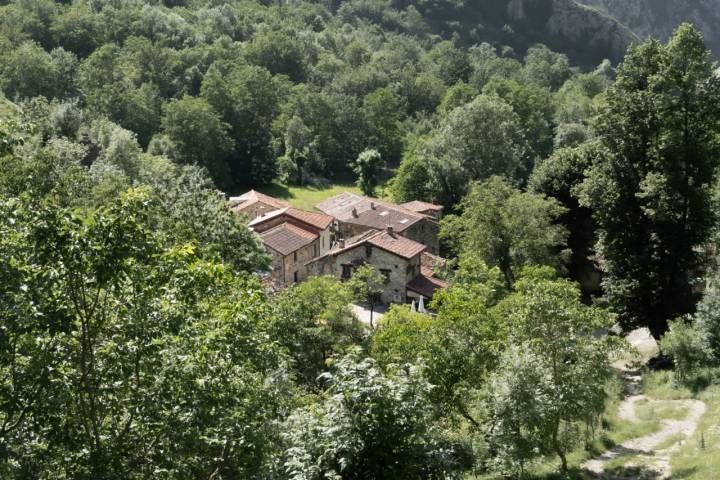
(290, 269)
(324, 242)
(399, 270)
(425, 231)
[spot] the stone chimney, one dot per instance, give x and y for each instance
(372, 205)
(390, 231)
(354, 213)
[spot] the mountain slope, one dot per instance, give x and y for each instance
(586, 34)
(660, 18)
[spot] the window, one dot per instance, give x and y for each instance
(295, 277)
(385, 272)
(347, 271)
(368, 251)
(295, 256)
(316, 250)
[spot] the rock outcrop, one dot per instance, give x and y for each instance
(585, 34)
(659, 18)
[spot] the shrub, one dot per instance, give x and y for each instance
(683, 342)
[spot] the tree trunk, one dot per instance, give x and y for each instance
(558, 449)
(372, 308)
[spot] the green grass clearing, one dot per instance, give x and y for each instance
(699, 457)
(661, 386)
(660, 410)
(307, 197)
(670, 441)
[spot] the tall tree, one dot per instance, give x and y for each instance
(368, 167)
(559, 177)
(200, 136)
(652, 193)
(314, 322)
(551, 381)
(120, 357)
(508, 228)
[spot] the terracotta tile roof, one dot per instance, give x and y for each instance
(252, 197)
(419, 207)
(312, 219)
(370, 212)
(319, 220)
(429, 263)
(393, 243)
(426, 286)
(287, 238)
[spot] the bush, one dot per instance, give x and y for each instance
(707, 320)
(683, 342)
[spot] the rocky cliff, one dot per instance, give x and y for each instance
(659, 18)
(586, 34)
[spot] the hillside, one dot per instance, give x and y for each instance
(586, 35)
(659, 18)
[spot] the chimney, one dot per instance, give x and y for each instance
(372, 205)
(354, 212)
(341, 243)
(390, 230)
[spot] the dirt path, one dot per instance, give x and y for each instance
(650, 463)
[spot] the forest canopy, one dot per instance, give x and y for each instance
(139, 337)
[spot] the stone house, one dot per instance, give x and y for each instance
(425, 284)
(254, 204)
(398, 241)
(291, 247)
(356, 214)
(424, 208)
(396, 257)
(317, 223)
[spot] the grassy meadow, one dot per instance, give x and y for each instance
(306, 197)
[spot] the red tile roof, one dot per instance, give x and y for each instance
(287, 238)
(312, 219)
(319, 220)
(252, 197)
(426, 286)
(393, 243)
(429, 263)
(419, 207)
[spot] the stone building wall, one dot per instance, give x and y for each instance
(296, 263)
(277, 266)
(426, 232)
(284, 268)
(399, 270)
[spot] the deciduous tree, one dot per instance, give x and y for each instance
(651, 193)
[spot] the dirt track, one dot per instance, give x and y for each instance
(650, 463)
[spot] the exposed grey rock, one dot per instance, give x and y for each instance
(659, 18)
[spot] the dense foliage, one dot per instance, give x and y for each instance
(651, 193)
(250, 90)
(137, 340)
